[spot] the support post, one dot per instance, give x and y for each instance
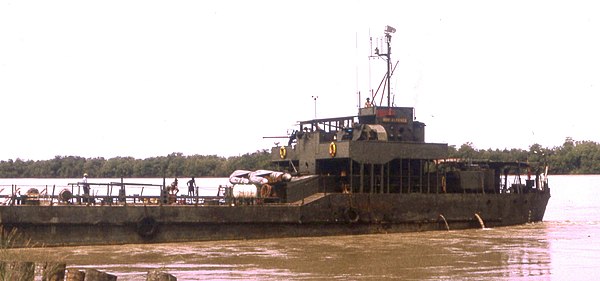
(372, 178)
(387, 184)
(409, 176)
(420, 175)
(428, 163)
(52, 198)
(401, 174)
(362, 177)
(351, 177)
(381, 177)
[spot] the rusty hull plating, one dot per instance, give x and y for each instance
(370, 173)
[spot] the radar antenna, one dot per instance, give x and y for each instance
(388, 39)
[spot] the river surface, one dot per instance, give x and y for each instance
(566, 246)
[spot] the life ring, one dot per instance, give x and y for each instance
(282, 152)
(265, 191)
(147, 227)
(332, 149)
(352, 215)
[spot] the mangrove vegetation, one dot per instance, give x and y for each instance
(573, 157)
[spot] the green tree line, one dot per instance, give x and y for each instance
(172, 165)
(573, 157)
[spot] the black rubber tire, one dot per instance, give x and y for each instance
(352, 215)
(147, 227)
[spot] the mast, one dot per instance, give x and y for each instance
(388, 40)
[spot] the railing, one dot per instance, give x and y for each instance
(73, 194)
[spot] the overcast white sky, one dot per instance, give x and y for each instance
(148, 78)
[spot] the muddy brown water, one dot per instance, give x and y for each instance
(566, 246)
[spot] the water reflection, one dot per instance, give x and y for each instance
(564, 247)
(499, 253)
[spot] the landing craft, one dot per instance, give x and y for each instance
(369, 173)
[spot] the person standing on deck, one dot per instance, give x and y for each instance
(86, 186)
(191, 186)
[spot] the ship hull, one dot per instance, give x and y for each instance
(318, 215)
